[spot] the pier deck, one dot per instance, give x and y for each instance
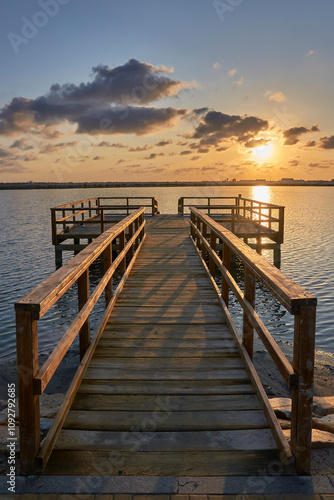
(167, 367)
(166, 385)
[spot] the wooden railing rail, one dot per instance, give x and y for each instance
(268, 215)
(32, 380)
(92, 211)
(205, 233)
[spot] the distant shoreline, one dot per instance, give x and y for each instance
(87, 185)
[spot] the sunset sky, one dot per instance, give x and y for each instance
(157, 90)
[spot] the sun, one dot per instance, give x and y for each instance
(263, 152)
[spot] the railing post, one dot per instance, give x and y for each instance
(204, 233)
(102, 219)
(209, 209)
(154, 206)
(90, 210)
(130, 252)
(233, 221)
(193, 220)
(227, 264)
(136, 243)
(302, 396)
(248, 329)
(198, 239)
(180, 206)
(54, 227)
(107, 261)
(212, 265)
(27, 362)
(281, 225)
(122, 265)
(64, 223)
(83, 296)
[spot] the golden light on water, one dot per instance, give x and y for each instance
(261, 193)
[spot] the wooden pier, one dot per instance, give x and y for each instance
(166, 384)
(259, 224)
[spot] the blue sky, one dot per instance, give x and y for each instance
(269, 60)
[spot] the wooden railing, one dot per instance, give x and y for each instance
(32, 379)
(239, 209)
(93, 211)
(206, 234)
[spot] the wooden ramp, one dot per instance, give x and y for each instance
(166, 392)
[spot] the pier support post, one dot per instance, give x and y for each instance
(58, 258)
(302, 396)
(27, 362)
(277, 256)
(248, 329)
(83, 296)
(107, 261)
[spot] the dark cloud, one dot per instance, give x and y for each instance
(216, 126)
(52, 148)
(140, 148)
(319, 165)
(194, 158)
(3, 153)
(310, 144)
(222, 148)
(136, 120)
(203, 150)
(21, 144)
(106, 144)
(31, 157)
(132, 83)
(105, 105)
(254, 143)
(294, 163)
(98, 158)
(292, 135)
(153, 155)
(164, 143)
(186, 152)
(327, 142)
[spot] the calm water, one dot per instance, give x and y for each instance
(27, 256)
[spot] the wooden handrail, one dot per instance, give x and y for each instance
(299, 376)
(32, 380)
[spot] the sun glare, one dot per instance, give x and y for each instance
(263, 152)
(261, 193)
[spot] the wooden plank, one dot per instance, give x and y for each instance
(131, 387)
(180, 364)
(180, 402)
(165, 420)
(174, 352)
(98, 373)
(160, 463)
(148, 442)
(167, 332)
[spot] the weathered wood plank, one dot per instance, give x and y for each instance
(158, 388)
(180, 364)
(179, 402)
(173, 352)
(108, 373)
(165, 419)
(160, 463)
(241, 440)
(167, 332)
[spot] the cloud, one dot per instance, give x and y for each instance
(132, 120)
(319, 165)
(216, 65)
(4, 153)
(294, 163)
(203, 150)
(153, 155)
(327, 142)
(216, 126)
(310, 144)
(52, 148)
(293, 134)
(111, 103)
(232, 72)
(98, 158)
(106, 144)
(132, 83)
(140, 148)
(194, 158)
(186, 152)
(254, 143)
(275, 96)
(164, 143)
(239, 82)
(21, 144)
(310, 53)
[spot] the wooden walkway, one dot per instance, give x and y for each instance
(166, 392)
